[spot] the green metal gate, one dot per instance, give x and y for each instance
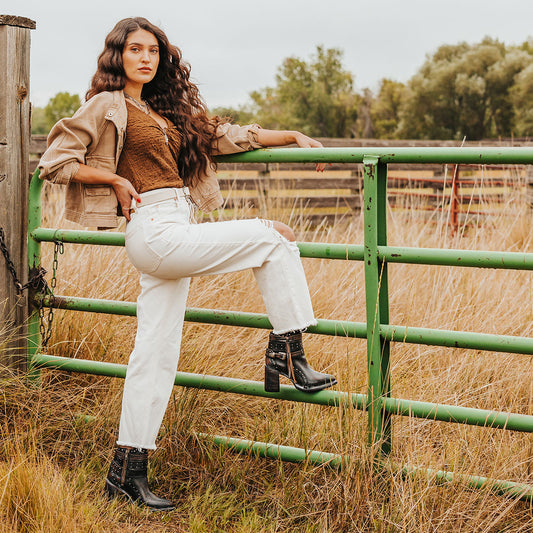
(377, 331)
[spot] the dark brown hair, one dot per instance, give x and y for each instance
(170, 93)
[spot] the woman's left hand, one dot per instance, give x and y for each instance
(285, 137)
(303, 141)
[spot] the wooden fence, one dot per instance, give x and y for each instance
(298, 194)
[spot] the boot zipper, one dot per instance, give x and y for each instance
(125, 466)
(290, 368)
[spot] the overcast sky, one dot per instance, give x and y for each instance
(236, 46)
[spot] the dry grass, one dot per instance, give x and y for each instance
(57, 439)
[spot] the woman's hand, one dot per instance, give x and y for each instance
(125, 192)
(303, 141)
(284, 137)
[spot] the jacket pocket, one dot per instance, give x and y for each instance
(99, 199)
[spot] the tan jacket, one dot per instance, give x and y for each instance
(94, 135)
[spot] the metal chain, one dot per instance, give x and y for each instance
(47, 332)
(9, 263)
(38, 283)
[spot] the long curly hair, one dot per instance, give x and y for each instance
(170, 93)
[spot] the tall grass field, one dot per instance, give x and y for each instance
(57, 437)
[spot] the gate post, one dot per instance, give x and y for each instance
(14, 180)
(377, 303)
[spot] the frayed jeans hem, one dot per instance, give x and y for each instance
(297, 328)
(143, 446)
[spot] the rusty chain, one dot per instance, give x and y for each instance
(46, 330)
(39, 284)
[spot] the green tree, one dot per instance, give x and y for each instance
(316, 96)
(522, 95)
(364, 126)
(39, 123)
(237, 115)
(61, 105)
(385, 109)
(463, 91)
(522, 98)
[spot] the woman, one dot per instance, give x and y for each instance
(143, 144)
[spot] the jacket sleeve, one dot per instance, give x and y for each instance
(232, 138)
(69, 140)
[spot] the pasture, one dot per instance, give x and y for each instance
(57, 439)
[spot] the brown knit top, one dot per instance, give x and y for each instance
(150, 153)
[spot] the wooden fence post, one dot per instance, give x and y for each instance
(14, 180)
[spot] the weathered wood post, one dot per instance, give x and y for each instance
(14, 154)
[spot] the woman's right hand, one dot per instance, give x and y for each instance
(125, 192)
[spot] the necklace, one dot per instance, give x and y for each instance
(143, 106)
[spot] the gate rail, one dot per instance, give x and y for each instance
(379, 333)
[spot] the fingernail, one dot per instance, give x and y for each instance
(138, 200)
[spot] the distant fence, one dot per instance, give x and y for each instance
(455, 194)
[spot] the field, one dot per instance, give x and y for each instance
(57, 439)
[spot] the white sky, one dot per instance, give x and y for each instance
(236, 46)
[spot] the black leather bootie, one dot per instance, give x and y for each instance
(128, 477)
(285, 356)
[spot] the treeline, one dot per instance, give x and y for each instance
(472, 91)
(477, 91)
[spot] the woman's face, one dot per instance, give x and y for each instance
(140, 58)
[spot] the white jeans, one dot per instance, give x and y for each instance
(168, 249)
